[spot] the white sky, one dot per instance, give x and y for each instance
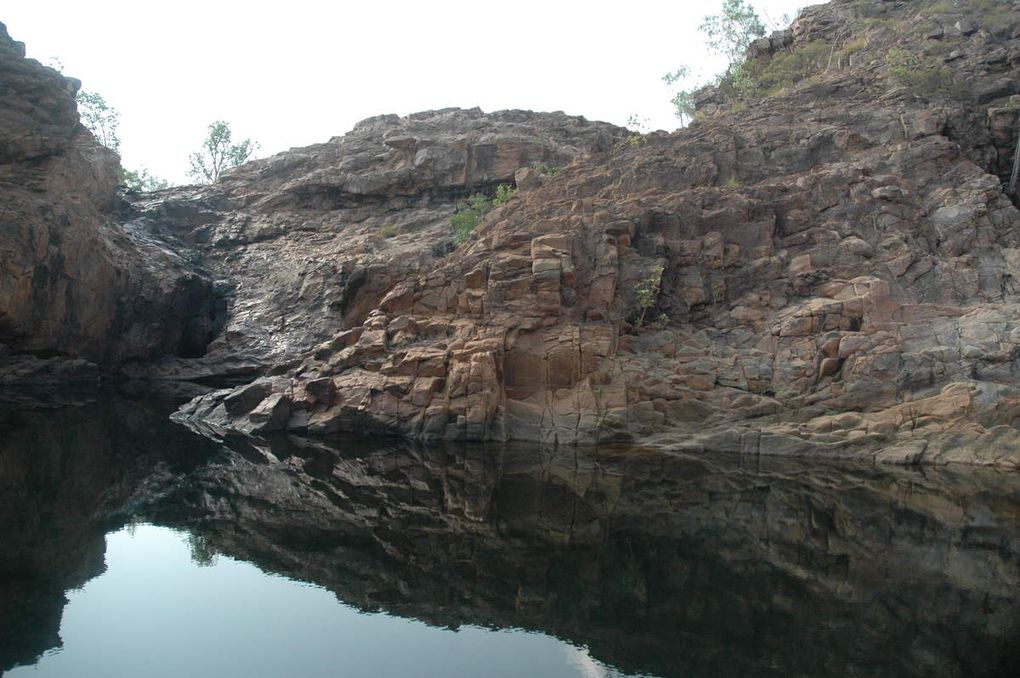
(299, 72)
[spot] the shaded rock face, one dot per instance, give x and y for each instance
(309, 241)
(838, 275)
(73, 281)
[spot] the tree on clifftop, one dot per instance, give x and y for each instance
(219, 153)
(732, 30)
(99, 117)
(728, 33)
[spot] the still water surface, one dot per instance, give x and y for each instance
(130, 546)
(157, 612)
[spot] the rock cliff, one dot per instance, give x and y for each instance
(76, 280)
(310, 241)
(835, 266)
(828, 252)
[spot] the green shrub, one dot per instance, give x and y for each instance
(648, 291)
(141, 180)
(546, 169)
(788, 68)
(504, 192)
(923, 75)
(468, 215)
(470, 212)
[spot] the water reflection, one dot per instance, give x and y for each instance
(234, 620)
(660, 565)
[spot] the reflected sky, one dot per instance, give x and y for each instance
(666, 564)
(157, 612)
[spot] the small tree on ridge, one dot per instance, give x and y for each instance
(99, 117)
(219, 153)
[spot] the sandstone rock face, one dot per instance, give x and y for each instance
(839, 273)
(310, 241)
(73, 281)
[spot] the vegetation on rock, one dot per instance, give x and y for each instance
(924, 76)
(142, 180)
(100, 118)
(468, 215)
(546, 169)
(504, 192)
(470, 212)
(728, 33)
(647, 291)
(219, 153)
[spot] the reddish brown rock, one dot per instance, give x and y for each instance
(73, 281)
(839, 265)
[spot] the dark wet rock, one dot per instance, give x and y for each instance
(75, 281)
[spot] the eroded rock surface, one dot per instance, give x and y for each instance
(839, 274)
(308, 242)
(75, 280)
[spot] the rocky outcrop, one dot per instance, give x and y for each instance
(823, 263)
(74, 280)
(833, 272)
(309, 242)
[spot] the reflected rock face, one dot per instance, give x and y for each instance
(659, 564)
(65, 476)
(665, 565)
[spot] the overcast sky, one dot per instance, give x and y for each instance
(299, 72)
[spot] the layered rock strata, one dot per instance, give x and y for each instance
(834, 272)
(308, 242)
(823, 263)
(75, 280)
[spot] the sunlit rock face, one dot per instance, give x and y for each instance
(829, 270)
(73, 280)
(661, 565)
(838, 270)
(309, 242)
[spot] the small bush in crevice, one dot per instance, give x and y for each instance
(468, 215)
(546, 169)
(923, 76)
(504, 192)
(470, 212)
(648, 291)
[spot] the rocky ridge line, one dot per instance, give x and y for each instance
(839, 264)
